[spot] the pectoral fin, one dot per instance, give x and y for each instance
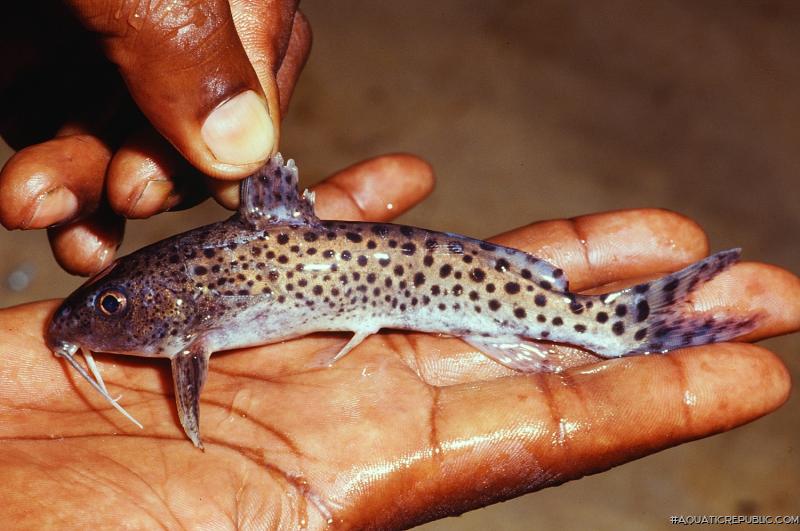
(189, 370)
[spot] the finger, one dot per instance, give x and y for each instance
(766, 291)
(53, 182)
(147, 176)
(187, 71)
(265, 29)
(295, 59)
(601, 248)
(500, 439)
(377, 189)
(87, 246)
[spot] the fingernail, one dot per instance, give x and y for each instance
(155, 197)
(53, 207)
(239, 131)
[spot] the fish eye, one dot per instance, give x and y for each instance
(111, 302)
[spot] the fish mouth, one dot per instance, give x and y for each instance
(67, 350)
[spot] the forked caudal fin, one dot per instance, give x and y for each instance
(651, 317)
(660, 319)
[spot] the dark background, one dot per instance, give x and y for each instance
(549, 109)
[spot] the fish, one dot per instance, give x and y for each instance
(275, 271)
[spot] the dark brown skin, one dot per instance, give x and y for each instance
(405, 429)
(136, 87)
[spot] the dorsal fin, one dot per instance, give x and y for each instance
(270, 196)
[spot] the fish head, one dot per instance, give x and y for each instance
(123, 311)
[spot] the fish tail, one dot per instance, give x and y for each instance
(656, 317)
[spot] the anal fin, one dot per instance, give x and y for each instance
(517, 353)
(189, 371)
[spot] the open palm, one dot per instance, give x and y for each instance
(405, 429)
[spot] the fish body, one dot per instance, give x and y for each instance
(275, 271)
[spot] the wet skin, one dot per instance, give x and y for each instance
(107, 101)
(406, 428)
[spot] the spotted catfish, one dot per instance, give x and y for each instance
(275, 271)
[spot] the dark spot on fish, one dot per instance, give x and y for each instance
(458, 289)
(428, 260)
(526, 274)
(502, 265)
(356, 276)
(520, 313)
(641, 288)
(541, 318)
(671, 285)
(435, 289)
(512, 288)
(576, 307)
(419, 279)
(392, 244)
(642, 311)
(445, 270)
(467, 259)
(639, 335)
(317, 290)
(371, 244)
(618, 328)
(399, 270)
(477, 274)
(273, 275)
(473, 295)
(601, 317)
(494, 305)
(558, 273)
(580, 328)
(388, 282)
(346, 255)
(362, 260)
(487, 246)
(442, 306)
(430, 244)
(621, 310)
(371, 278)
(200, 270)
(406, 231)
(283, 259)
(558, 321)
(408, 248)
(545, 334)
(545, 284)
(283, 239)
(302, 283)
(490, 287)
(209, 253)
(540, 300)
(353, 237)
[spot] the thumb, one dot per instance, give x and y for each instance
(186, 69)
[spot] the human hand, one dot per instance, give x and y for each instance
(408, 427)
(214, 78)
